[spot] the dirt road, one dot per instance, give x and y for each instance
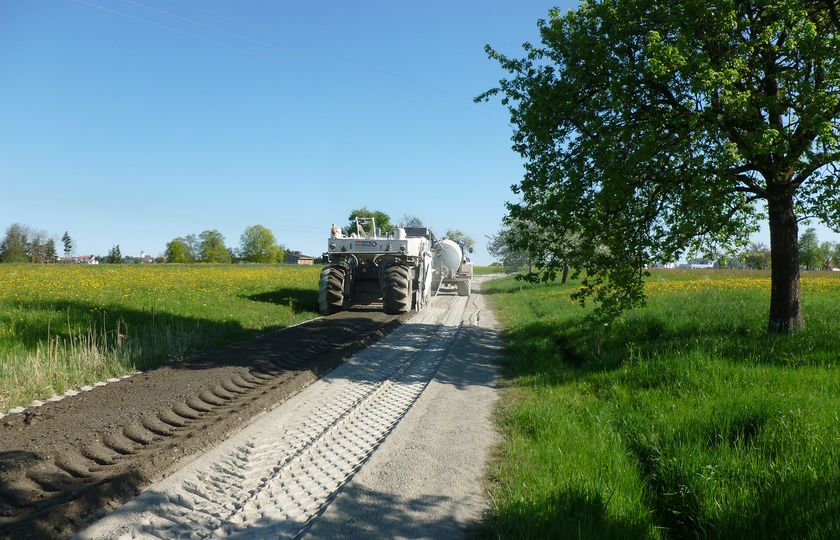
(391, 443)
(64, 462)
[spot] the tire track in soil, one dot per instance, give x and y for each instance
(66, 462)
(274, 484)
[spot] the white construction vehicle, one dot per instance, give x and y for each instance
(398, 263)
(451, 267)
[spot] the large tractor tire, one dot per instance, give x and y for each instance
(396, 289)
(464, 288)
(331, 290)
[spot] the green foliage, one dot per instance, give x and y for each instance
(507, 246)
(114, 255)
(809, 249)
(756, 256)
(15, 245)
(650, 128)
(212, 247)
(409, 220)
(457, 235)
(67, 242)
(383, 220)
(50, 254)
(257, 244)
(682, 419)
(179, 251)
(826, 255)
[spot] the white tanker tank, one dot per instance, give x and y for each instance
(451, 267)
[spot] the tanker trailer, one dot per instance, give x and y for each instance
(451, 267)
(365, 264)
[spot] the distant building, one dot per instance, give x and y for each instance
(79, 259)
(296, 257)
(700, 263)
(145, 258)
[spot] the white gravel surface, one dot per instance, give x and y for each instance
(390, 444)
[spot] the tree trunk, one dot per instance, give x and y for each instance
(565, 273)
(785, 301)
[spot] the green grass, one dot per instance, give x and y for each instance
(64, 326)
(484, 270)
(679, 420)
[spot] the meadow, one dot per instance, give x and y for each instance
(485, 270)
(64, 326)
(683, 419)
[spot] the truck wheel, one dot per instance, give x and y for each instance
(396, 289)
(331, 290)
(464, 288)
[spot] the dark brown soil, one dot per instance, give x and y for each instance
(67, 462)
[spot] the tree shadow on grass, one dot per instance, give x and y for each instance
(815, 503)
(551, 352)
(158, 336)
(560, 351)
(299, 300)
(566, 514)
(68, 319)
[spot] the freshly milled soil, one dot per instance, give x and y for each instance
(66, 462)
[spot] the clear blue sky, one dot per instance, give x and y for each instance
(138, 121)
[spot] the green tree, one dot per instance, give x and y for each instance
(653, 127)
(114, 255)
(826, 253)
(37, 249)
(15, 245)
(505, 246)
(257, 244)
(178, 251)
(193, 245)
(756, 256)
(457, 235)
(383, 220)
(809, 249)
(409, 220)
(67, 242)
(49, 251)
(213, 248)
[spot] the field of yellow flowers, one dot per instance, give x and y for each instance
(63, 326)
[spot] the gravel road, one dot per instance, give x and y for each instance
(391, 443)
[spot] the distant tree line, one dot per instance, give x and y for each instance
(813, 254)
(507, 247)
(25, 244)
(256, 244)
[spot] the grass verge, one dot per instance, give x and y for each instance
(64, 326)
(485, 270)
(679, 420)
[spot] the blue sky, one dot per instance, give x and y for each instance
(132, 122)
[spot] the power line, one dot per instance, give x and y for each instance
(202, 24)
(209, 12)
(174, 15)
(136, 18)
(166, 27)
